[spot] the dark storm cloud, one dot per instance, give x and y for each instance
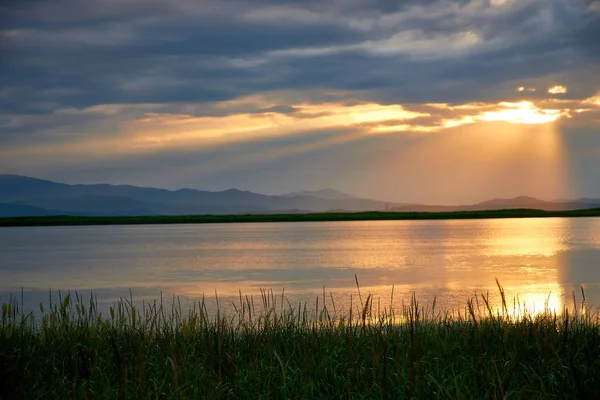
(184, 51)
(154, 56)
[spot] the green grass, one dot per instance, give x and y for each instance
(330, 216)
(278, 350)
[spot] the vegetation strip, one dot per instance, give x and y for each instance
(277, 350)
(333, 216)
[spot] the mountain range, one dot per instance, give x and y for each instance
(25, 196)
(512, 203)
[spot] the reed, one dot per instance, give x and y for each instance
(272, 348)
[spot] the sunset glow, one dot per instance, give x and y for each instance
(526, 89)
(557, 90)
(532, 300)
(524, 112)
(155, 131)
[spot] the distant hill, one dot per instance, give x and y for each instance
(512, 203)
(517, 202)
(17, 192)
(94, 205)
(25, 196)
(587, 200)
(328, 194)
(12, 210)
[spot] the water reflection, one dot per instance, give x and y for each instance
(540, 260)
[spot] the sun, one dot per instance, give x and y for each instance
(521, 113)
(524, 112)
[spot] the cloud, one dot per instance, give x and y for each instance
(117, 82)
(557, 90)
(125, 130)
(185, 51)
(526, 89)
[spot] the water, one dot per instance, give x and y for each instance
(541, 260)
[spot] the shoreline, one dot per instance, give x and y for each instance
(63, 220)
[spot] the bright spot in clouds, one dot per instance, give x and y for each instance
(525, 89)
(557, 89)
(524, 112)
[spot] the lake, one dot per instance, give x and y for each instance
(540, 260)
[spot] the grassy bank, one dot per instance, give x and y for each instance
(332, 216)
(286, 351)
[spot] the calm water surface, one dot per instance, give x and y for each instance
(540, 260)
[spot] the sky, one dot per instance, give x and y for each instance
(430, 101)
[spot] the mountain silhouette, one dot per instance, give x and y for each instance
(328, 194)
(105, 199)
(25, 196)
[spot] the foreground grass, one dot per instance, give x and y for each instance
(285, 351)
(328, 216)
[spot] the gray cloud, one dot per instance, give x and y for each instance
(184, 51)
(61, 59)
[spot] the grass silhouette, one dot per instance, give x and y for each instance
(269, 348)
(300, 217)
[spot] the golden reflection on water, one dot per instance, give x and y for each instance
(521, 253)
(536, 299)
(539, 262)
(524, 236)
